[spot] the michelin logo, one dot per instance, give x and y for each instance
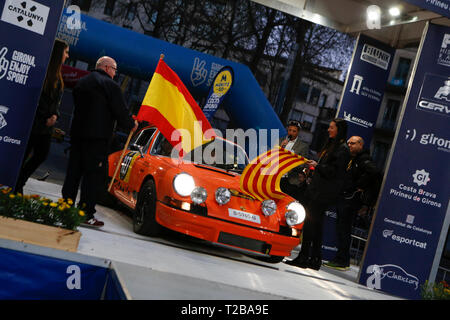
(26, 14)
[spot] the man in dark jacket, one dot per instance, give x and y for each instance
(98, 104)
(290, 182)
(361, 186)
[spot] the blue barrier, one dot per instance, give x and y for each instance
(137, 55)
(29, 272)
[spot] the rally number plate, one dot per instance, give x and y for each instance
(244, 215)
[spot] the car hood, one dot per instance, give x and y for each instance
(235, 210)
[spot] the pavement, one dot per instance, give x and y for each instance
(175, 267)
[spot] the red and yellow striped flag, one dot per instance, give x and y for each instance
(169, 105)
(261, 178)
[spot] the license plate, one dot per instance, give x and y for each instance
(244, 215)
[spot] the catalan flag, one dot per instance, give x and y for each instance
(169, 105)
(261, 178)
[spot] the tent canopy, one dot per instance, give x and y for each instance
(350, 16)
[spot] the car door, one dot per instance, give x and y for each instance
(132, 166)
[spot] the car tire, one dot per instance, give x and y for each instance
(144, 218)
(271, 259)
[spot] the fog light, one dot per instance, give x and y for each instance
(199, 195)
(268, 207)
(223, 195)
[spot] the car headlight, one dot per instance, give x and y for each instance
(199, 195)
(183, 184)
(268, 207)
(295, 214)
(223, 195)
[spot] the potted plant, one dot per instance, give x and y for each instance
(39, 220)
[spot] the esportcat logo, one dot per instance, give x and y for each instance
(26, 14)
(389, 272)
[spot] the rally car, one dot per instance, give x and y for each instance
(201, 196)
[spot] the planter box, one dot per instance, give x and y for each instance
(39, 234)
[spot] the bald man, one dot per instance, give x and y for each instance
(98, 102)
(361, 186)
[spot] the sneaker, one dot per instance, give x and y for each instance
(337, 265)
(93, 223)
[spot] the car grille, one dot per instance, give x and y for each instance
(244, 243)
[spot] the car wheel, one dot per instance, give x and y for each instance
(144, 220)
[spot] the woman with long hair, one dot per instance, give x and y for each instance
(323, 192)
(46, 116)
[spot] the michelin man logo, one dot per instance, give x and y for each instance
(3, 110)
(444, 92)
(421, 177)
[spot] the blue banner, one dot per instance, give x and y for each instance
(365, 85)
(439, 6)
(27, 34)
(27, 276)
(220, 87)
(411, 211)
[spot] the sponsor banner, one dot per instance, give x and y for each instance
(220, 87)
(439, 6)
(329, 239)
(365, 85)
(71, 75)
(415, 195)
(26, 275)
(27, 35)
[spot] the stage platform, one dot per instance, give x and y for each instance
(182, 268)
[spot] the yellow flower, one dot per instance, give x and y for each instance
(69, 201)
(81, 213)
(61, 207)
(12, 196)
(45, 203)
(19, 194)
(60, 200)
(53, 204)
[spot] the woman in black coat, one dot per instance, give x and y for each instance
(322, 192)
(46, 115)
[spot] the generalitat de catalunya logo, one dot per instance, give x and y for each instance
(26, 14)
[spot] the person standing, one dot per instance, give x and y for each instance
(47, 114)
(362, 181)
(98, 104)
(322, 192)
(290, 182)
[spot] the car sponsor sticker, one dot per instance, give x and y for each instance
(244, 215)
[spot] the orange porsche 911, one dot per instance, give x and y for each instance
(202, 198)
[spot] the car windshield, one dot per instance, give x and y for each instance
(219, 153)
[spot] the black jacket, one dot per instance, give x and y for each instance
(47, 107)
(98, 103)
(362, 174)
(328, 179)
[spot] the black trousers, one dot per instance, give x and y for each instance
(87, 163)
(313, 229)
(39, 144)
(345, 210)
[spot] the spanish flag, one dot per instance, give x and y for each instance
(261, 178)
(169, 105)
